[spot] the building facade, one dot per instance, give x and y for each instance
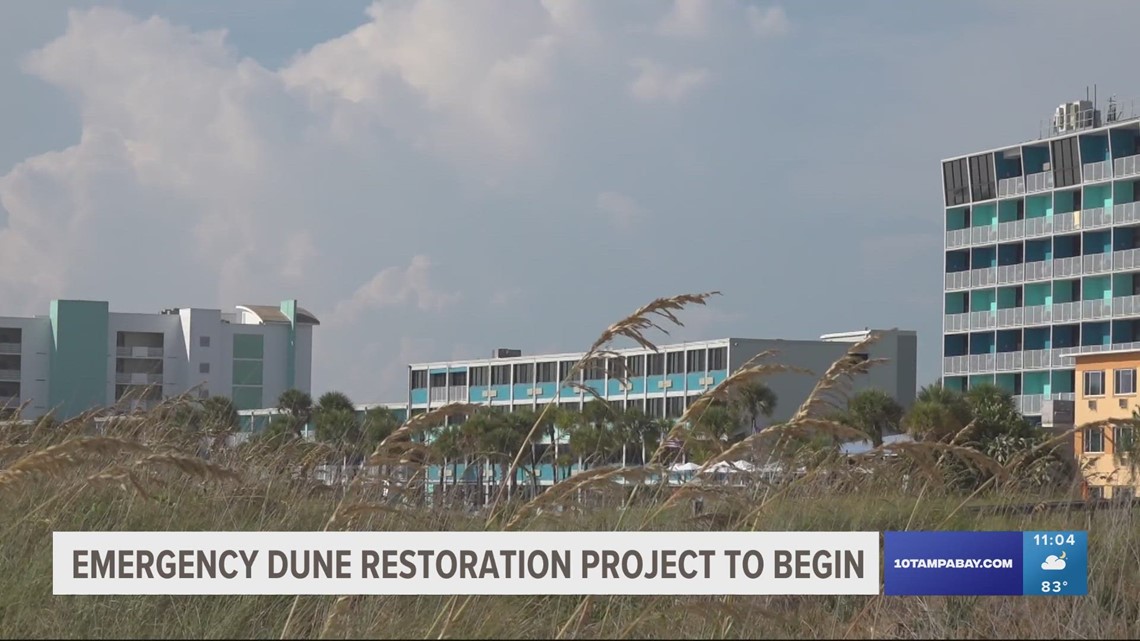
(82, 356)
(1042, 255)
(1106, 389)
(661, 383)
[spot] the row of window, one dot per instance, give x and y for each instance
(614, 367)
(1123, 439)
(1123, 382)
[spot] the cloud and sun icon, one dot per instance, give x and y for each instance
(1054, 562)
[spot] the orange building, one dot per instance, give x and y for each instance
(1106, 389)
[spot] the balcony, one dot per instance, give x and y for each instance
(458, 394)
(1096, 171)
(1038, 182)
(1037, 314)
(1126, 213)
(1029, 404)
(1011, 230)
(981, 363)
(1096, 309)
(1128, 166)
(437, 395)
(138, 352)
(983, 235)
(1040, 226)
(9, 348)
(982, 320)
(1126, 306)
(1065, 312)
(958, 280)
(1035, 359)
(1011, 186)
(1126, 259)
(1007, 361)
(1010, 274)
(983, 277)
(138, 378)
(955, 364)
(1012, 317)
(1063, 267)
(956, 238)
(1068, 221)
(1095, 217)
(1038, 270)
(1096, 263)
(9, 374)
(956, 322)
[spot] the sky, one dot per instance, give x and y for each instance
(437, 179)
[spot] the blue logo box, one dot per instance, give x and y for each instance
(985, 563)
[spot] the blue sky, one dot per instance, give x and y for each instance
(436, 179)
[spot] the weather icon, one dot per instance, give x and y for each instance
(1054, 562)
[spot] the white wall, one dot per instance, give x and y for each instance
(174, 348)
(35, 358)
(199, 324)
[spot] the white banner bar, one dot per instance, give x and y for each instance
(503, 563)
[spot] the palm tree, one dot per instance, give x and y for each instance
(219, 412)
(753, 401)
(715, 428)
(938, 412)
(298, 406)
(593, 437)
(331, 401)
(874, 413)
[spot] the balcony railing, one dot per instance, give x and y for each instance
(1126, 259)
(1039, 226)
(139, 352)
(1011, 230)
(958, 280)
(1010, 274)
(1070, 266)
(957, 238)
(1096, 309)
(1068, 221)
(1039, 270)
(9, 348)
(1029, 404)
(1096, 217)
(437, 395)
(956, 322)
(1037, 314)
(138, 378)
(458, 394)
(1012, 317)
(1126, 213)
(982, 320)
(1038, 182)
(980, 363)
(1094, 171)
(1096, 263)
(1127, 166)
(1035, 359)
(983, 234)
(1126, 306)
(956, 364)
(982, 277)
(1007, 361)
(1011, 186)
(9, 374)
(1064, 312)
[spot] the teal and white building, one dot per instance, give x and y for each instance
(1042, 254)
(82, 356)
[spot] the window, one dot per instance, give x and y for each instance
(203, 341)
(674, 406)
(459, 378)
(564, 370)
(635, 365)
(478, 375)
(615, 367)
(594, 370)
(675, 363)
(1123, 439)
(546, 372)
(690, 399)
(419, 379)
(501, 375)
(655, 364)
(696, 360)
(524, 373)
(439, 380)
(718, 358)
(1124, 382)
(1094, 440)
(655, 407)
(1094, 383)
(203, 368)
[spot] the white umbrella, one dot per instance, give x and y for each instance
(684, 467)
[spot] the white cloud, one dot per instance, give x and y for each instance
(657, 83)
(396, 286)
(769, 21)
(621, 210)
(687, 19)
(1053, 562)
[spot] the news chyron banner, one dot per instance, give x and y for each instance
(985, 563)
(483, 563)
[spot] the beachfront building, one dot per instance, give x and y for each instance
(1042, 254)
(82, 356)
(1106, 389)
(660, 383)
